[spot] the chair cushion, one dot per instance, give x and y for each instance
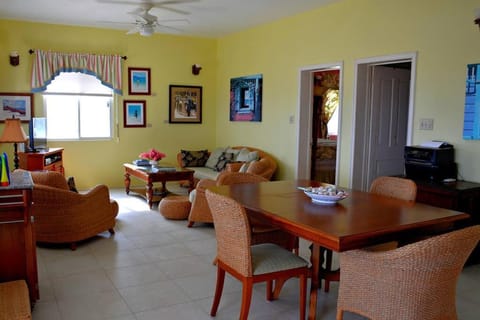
(269, 257)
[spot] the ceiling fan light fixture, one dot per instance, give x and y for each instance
(146, 30)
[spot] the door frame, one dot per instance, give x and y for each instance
(360, 147)
(305, 114)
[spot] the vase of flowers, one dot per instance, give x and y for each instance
(153, 156)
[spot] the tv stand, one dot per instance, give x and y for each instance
(50, 159)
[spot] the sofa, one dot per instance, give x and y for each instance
(208, 165)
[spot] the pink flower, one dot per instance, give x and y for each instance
(152, 155)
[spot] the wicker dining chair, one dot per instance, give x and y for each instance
(393, 187)
(249, 263)
(414, 282)
(261, 233)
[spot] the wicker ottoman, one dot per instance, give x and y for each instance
(14, 300)
(175, 207)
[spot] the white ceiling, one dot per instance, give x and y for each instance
(205, 18)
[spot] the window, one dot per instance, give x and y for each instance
(78, 107)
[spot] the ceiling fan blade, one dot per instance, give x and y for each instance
(134, 30)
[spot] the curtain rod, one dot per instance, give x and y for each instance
(31, 51)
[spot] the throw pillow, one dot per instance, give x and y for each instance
(194, 158)
(234, 151)
(223, 160)
(213, 158)
(247, 156)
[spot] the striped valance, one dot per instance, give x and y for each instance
(47, 65)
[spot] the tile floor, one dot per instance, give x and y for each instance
(156, 269)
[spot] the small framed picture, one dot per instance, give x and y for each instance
(134, 115)
(139, 81)
(185, 104)
(18, 105)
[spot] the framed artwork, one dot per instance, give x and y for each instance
(139, 81)
(134, 115)
(471, 116)
(18, 105)
(185, 104)
(246, 98)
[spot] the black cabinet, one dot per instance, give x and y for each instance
(461, 196)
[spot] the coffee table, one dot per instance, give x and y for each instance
(150, 175)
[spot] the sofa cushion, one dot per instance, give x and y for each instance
(204, 173)
(223, 160)
(194, 158)
(257, 166)
(213, 158)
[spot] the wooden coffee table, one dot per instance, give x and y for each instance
(150, 176)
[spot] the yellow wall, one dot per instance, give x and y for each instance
(442, 32)
(170, 59)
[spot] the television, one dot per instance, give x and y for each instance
(37, 134)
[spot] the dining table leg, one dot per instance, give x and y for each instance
(315, 259)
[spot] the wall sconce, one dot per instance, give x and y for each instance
(196, 69)
(14, 58)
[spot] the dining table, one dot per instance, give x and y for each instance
(359, 220)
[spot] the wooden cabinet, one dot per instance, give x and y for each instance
(51, 160)
(17, 238)
(461, 196)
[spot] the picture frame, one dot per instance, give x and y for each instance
(18, 105)
(185, 104)
(139, 81)
(134, 113)
(246, 98)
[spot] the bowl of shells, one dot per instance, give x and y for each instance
(328, 194)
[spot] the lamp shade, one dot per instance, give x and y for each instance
(13, 131)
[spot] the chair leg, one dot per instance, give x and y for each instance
(73, 246)
(339, 314)
(303, 295)
(269, 294)
(278, 287)
(111, 231)
(246, 298)
(328, 267)
(190, 224)
(218, 291)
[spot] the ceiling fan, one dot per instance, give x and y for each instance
(146, 23)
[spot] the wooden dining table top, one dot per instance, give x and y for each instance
(359, 220)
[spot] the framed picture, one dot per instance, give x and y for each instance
(18, 105)
(185, 104)
(139, 81)
(246, 98)
(134, 115)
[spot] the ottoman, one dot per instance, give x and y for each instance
(175, 207)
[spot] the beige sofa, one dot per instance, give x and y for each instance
(264, 165)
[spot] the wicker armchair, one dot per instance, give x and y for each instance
(64, 216)
(393, 187)
(415, 282)
(249, 264)
(261, 233)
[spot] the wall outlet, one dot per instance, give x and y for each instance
(426, 124)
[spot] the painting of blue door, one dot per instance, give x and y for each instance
(471, 121)
(246, 98)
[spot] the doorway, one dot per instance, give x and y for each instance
(383, 116)
(319, 125)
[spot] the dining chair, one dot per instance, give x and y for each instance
(249, 263)
(415, 282)
(393, 187)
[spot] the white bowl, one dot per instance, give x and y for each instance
(324, 198)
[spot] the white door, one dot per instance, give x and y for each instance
(389, 121)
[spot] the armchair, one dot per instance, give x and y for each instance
(64, 216)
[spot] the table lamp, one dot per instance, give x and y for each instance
(13, 132)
